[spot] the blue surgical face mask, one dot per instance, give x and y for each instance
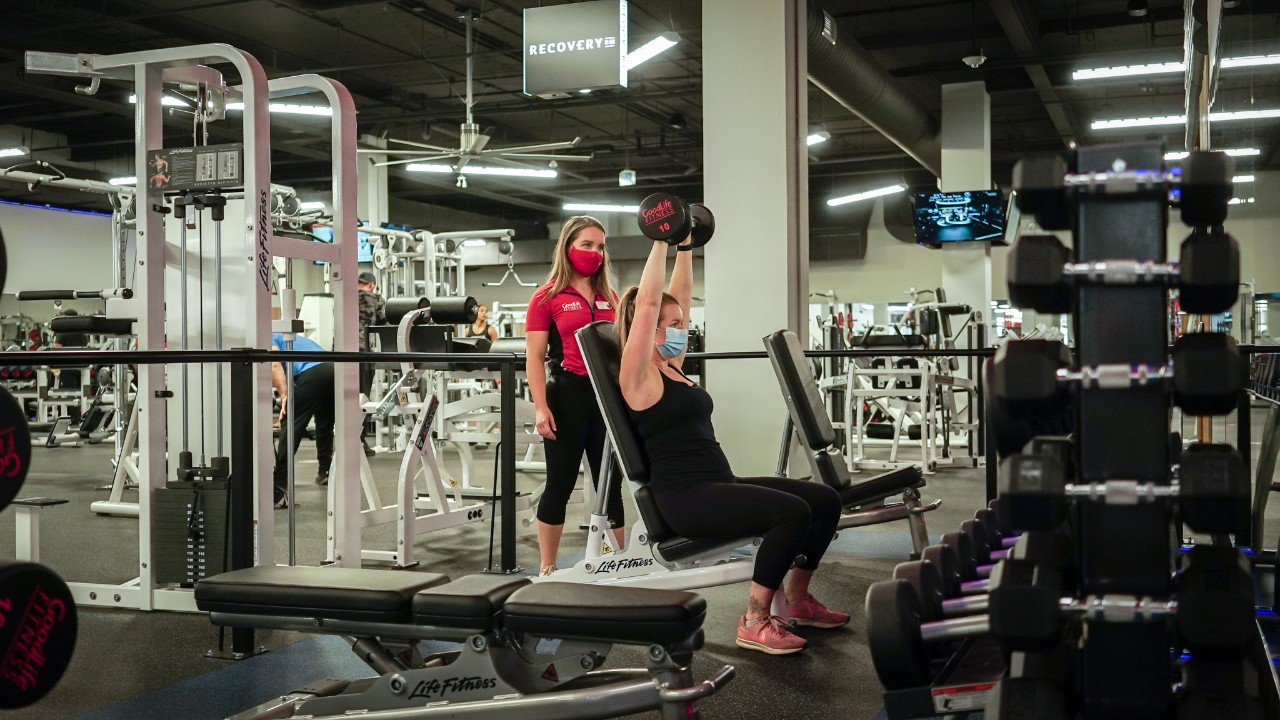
(677, 340)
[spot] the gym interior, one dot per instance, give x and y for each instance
(961, 402)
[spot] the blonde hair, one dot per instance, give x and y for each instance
(562, 270)
(627, 312)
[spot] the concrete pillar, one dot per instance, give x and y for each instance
(966, 165)
(754, 92)
(371, 200)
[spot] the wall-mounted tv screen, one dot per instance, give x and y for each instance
(967, 216)
(364, 242)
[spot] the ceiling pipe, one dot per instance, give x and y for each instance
(852, 77)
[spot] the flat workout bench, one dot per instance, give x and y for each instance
(530, 650)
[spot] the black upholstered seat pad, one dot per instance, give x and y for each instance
(470, 602)
(605, 613)
(881, 486)
(381, 596)
(677, 548)
(95, 324)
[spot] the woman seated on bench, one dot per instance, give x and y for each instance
(692, 483)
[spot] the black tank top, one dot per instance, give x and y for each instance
(678, 437)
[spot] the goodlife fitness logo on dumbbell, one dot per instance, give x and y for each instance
(659, 212)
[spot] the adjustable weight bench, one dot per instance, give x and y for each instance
(528, 651)
(863, 501)
(655, 556)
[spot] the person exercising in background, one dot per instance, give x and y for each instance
(481, 327)
(373, 311)
(692, 483)
(312, 397)
(577, 293)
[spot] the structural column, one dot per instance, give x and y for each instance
(755, 120)
(371, 201)
(966, 165)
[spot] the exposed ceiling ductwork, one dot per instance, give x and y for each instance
(853, 78)
(1200, 54)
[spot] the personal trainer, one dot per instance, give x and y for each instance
(565, 407)
(692, 483)
(312, 397)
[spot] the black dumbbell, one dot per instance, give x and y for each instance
(1025, 609)
(1039, 182)
(1040, 273)
(935, 602)
(1205, 377)
(1206, 188)
(39, 633)
(1212, 494)
(669, 219)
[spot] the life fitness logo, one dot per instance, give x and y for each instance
(568, 46)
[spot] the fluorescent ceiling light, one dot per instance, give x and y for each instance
(474, 242)
(312, 205)
(1242, 179)
(878, 192)
(1182, 119)
(286, 108)
(1233, 152)
(647, 51)
(820, 136)
(13, 151)
(482, 170)
(1240, 201)
(1102, 73)
(590, 207)
(585, 91)
(123, 181)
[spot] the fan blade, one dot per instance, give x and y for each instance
(437, 148)
(414, 160)
(409, 152)
(565, 145)
(543, 156)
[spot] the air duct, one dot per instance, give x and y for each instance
(1200, 55)
(852, 77)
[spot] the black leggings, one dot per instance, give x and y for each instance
(578, 428)
(312, 397)
(795, 517)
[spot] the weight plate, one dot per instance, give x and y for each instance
(37, 632)
(665, 217)
(898, 652)
(15, 448)
(925, 579)
(704, 224)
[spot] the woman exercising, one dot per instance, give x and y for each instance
(481, 326)
(692, 483)
(576, 294)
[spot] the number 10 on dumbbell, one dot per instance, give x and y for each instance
(669, 219)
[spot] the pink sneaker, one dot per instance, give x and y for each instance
(811, 613)
(768, 636)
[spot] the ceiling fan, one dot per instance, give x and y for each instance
(473, 144)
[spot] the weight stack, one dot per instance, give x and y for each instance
(189, 530)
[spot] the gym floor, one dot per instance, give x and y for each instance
(130, 664)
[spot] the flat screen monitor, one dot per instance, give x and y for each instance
(966, 216)
(364, 241)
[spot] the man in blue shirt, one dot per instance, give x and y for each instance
(312, 397)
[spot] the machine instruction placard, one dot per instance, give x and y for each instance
(196, 168)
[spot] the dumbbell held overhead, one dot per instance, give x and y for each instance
(666, 218)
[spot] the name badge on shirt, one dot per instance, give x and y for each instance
(602, 305)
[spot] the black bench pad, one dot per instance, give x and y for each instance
(380, 596)
(881, 486)
(677, 548)
(93, 324)
(604, 613)
(472, 602)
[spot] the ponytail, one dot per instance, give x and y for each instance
(627, 312)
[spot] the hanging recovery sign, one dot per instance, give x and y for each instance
(579, 46)
(196, 168)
